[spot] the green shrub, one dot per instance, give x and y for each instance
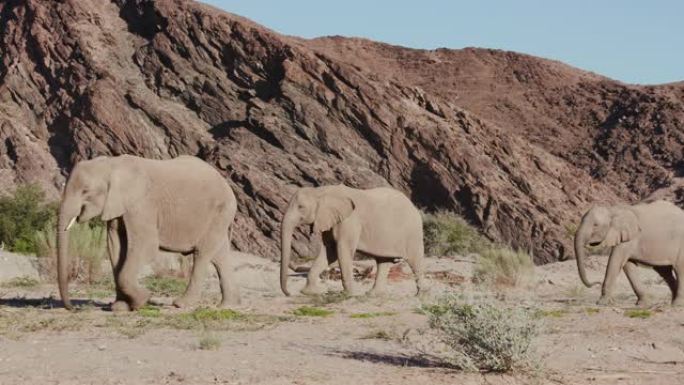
(87, 245)
(638, 313)
(503, 266)
(165, 286)
(310, 311)
(209, 342)
(24, 282)
(446, 233)
(21, 215)
(373, 315)
(483, 335)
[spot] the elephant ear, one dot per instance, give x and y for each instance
(125, 186)
(624, 227)
(331, 210)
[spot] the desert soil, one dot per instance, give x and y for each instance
(580, 342)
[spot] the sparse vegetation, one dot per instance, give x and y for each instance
(149, 311)
(87, 245)
(22, 214)
(373, 315)
(209, 342)
(638, 313)
(446, 233)
(503, 266)
(311, 311)
(553, 313)
(591, 310)
(379, 334)
(483, 335)
(166, 286)
(23, 282)
(329, 297)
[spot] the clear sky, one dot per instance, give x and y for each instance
(635, 41)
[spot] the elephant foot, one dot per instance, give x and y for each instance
(678, 303)
(377, 292)
(120, 307)
(605, 301)
(313, 290)
(230, 301)
(645, 301)
(183, 302)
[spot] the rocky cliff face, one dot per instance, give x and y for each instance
(519, 145)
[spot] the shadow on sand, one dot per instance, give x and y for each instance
(392, 359)
(48, 303)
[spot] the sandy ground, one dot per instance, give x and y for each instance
(581, 343)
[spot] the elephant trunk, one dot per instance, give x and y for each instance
(290, 221)
(66, 218)
(580, 253)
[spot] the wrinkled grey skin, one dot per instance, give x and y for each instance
(380, 222)
(649, 234)
(182, 205)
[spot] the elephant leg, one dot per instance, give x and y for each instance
(115, 234)
(313, 279)
(230, 292)
(415, 260)
(142, 241)
(667, 274)
(347, 241)
(200, 263)
(678, 298)
(615, 263)
(380, 285)
(643, 298)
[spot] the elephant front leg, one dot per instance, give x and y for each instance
(142, 241)
(643, 298)
(615, 264)
(346, 248)
(314, 286)
(380, 285)
(115, 238)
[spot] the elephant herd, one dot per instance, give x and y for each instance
(184, 205)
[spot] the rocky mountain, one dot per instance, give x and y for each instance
(518, 145)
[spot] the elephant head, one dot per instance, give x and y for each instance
(312, 206)
(603, 227)
(99, 187)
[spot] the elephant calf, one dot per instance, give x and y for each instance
(650, 234)
(182, 205)
(381, 222)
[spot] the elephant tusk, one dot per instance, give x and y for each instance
(71, 223)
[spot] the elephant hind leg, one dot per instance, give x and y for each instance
(667, 273)
(380, 285)
(230, 292)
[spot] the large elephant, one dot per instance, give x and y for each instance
(182, 205)
(649, 234)
(380, 222)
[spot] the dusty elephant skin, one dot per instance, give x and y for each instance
(651, 234)
(380, 222)
(181, 205)
(518, 145)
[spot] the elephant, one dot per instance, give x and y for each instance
(180, 205)
(380, 222)
(650, 234)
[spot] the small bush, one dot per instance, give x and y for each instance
(209, 342)
(310, 311)
(87, 245)
(446, 233)
(165, 286)
(24, 282)
(503, 266)
(484, 336)
(373, 315)
(638, 313)
(21, 215)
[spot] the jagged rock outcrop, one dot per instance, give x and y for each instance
(516, 154)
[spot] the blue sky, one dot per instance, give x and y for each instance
(630, 40)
